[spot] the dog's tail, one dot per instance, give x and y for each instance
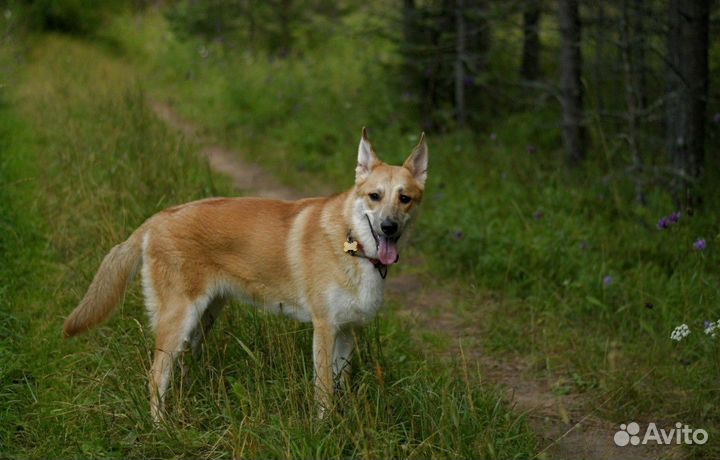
(108, 286)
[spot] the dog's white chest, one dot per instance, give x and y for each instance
(358, 303)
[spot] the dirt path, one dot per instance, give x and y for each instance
(247, 177)
(567, 425)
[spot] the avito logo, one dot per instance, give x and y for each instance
(681, 434)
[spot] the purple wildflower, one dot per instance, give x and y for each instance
(674, 217)
(584, 245)
(707, 324)
(458, 235)
(608, 280)
(663, 223)
(530, 149)
(699, 244)
(537, 215)
(469, 82)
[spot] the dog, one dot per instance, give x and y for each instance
(320, 260)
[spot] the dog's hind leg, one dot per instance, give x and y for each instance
(201, 331)
(175, 320)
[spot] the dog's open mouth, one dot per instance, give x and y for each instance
(387, 250)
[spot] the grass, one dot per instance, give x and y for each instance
(509, 220)
(83, 163)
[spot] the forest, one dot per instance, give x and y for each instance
(561, 286)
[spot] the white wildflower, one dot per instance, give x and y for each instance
(712, 329)
(680, 332)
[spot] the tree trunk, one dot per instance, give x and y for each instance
(600, 40)
(286, 38)
(687, 87)
(632, 97)
(530, 67)
(409, 20)
(638, 47)
(460, 62)
(251, 23)
(570, 85)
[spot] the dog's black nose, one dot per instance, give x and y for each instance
(389, 227)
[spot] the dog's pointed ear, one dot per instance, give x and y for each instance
(417, 162)
(366, 160)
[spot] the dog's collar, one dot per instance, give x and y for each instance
(355, 249)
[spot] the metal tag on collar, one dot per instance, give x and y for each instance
(350, 247)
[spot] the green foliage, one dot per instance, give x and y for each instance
(81, 17)
(278, 27)
(209, 19)
(20, 257)
(295, 114)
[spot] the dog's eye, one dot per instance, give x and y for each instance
(404, 199)
(374, 196)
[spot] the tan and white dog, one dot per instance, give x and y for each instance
(319, 260)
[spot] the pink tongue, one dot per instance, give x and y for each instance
(387, 251)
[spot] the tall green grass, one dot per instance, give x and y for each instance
(563, 266)
(84, 162)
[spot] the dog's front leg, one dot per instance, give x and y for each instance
(323, 347)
